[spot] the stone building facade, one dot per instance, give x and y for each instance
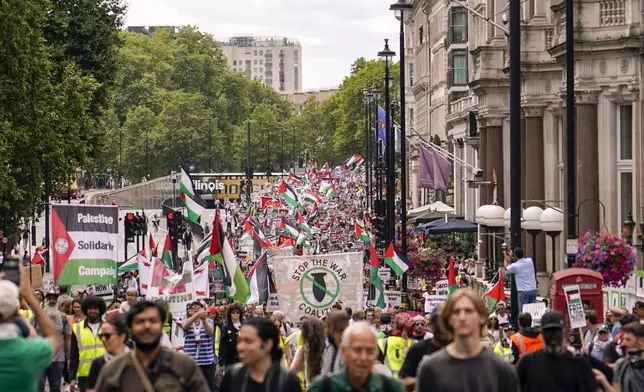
(608, 79)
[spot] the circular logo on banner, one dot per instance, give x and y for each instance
(320, 287)
(61, 246)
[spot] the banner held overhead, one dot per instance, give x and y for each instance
(85, 244)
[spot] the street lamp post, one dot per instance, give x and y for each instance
(387, 54)
(399, 9)
(282, 152)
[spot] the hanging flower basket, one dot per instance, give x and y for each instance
(608, 254)
(427, 264)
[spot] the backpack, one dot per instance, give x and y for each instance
(327, 387)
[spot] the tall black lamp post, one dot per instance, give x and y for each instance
(399, 8)
(387, 54)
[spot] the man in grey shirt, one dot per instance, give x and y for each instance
(465, 365)
(54, 373)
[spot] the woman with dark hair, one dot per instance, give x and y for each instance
(229, 331)
(77, 312)
(114, 334)
(309, 356)
(260, 355)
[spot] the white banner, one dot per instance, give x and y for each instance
(311, 285)
(536, 310)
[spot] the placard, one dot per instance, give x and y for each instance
(311, 285)
(441, 287)
(432, 301)
(536, 310)
(384, 273)
(575, 307)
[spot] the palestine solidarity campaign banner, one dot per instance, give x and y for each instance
(311, 285)
(85, 244)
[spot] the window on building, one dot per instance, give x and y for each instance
(261, 70)
(624, 161)
(411, 117)
(410, 73)
(458, 25)
(625, 195)
(261, 52)
(421, 34)
(254, 53)
(296, 79)
(625, 132)
(255, 70)
(255, 62)
(261, 62)
(458, 60)
(234, 62)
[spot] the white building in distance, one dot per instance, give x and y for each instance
(275, 61)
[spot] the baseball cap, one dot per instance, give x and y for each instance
(8, 299)
(213, 309)
(603, 328)
(509, 327)
(552, 319)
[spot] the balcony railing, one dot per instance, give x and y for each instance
(463, 104)
(612, 13)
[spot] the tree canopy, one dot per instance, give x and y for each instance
(79, 92)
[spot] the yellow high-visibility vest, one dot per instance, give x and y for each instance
(299, 342)
(395, 349)
(217, 336)
(89, 348)
(504, 352)
(26, 314)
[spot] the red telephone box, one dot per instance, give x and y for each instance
(590, 285)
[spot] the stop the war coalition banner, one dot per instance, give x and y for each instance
(311, 285)
(85, 244)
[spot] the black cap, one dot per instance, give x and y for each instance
(509, 327)
(552, 319)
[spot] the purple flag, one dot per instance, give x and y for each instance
(441, 172)
(426, 169)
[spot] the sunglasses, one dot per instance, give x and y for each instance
(235, 311)
(105, 336)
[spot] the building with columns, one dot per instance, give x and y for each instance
(609, 139)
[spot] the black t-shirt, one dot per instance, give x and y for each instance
(291, 384)
(610, 353)
(486, 372)
(567, 373)
(97, 365)
(415, 354)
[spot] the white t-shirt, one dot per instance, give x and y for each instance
(503, 320)
(94, 327)
(428, 305)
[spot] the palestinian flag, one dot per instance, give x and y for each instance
(301, 223)
(311, 197)
(354, 159)
(288, 194)
(132, 264)
(362, 234)
(376, 291)
(325, 168)
(394, 261)
(332, 192)
(496, 293)
(221, 251)
(153, 247)
(261, 284)
(253, 229)
(452, 286)
(313, 212)
(293, 179)
(288, 229)
(186, 182)
(306, 178)
(314, 167)
(195, 207)
(145, 266)
(202, 286)
(166, 254)
(301, 239)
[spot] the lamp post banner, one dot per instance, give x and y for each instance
(85, 244)
(311, 285)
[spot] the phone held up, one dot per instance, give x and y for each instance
(11, 269)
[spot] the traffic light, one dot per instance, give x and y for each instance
(171, 219)
(130, 225)
(141, 224)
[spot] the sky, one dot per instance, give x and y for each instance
(333, 33)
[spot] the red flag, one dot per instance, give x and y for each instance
(153, 247)
(38, 259)
(451, 277)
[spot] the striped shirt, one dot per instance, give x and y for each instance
(202, 352)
